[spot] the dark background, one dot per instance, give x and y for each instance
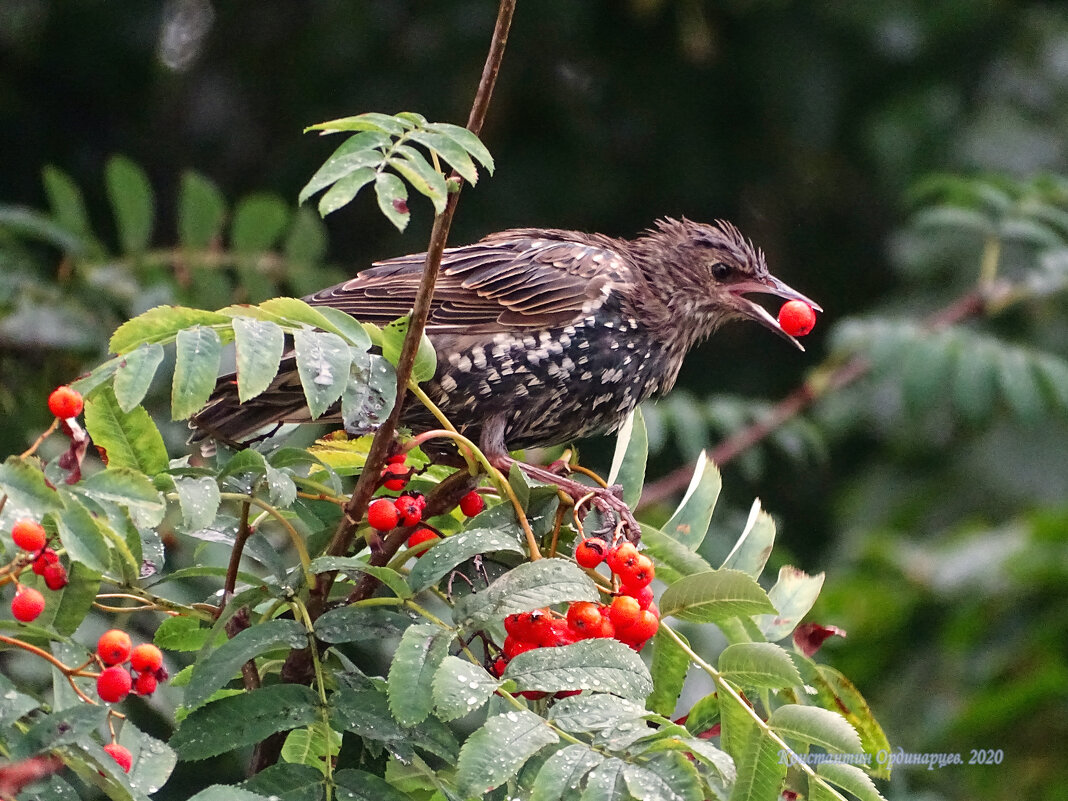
(804, 123)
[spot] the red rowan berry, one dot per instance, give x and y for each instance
(65, 402)
(47, 557)
(419, 536)
(620, 556)
(55, 576)
(638, 573)
(29, 535)
(27, 604)
(396, 476)
(585, 619)
(146, 658)
(513, 647)
(644, 627)
(643, 595)
(114, 647)
(382, 514)
(113, 684)
(408, 510)
(120, 754)
(797, 318)
(471, 504)
(624, 611)
(591, 552)
(145, 684)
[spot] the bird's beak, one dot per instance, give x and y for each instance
(769, 285)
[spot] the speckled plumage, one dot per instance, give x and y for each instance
(542, 336)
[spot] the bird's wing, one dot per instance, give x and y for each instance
(516, 279)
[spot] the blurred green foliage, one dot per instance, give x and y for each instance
(943, 531)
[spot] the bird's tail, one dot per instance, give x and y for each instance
(226, 419)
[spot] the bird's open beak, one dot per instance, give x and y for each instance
(754, 311)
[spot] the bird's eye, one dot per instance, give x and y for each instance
(720, 271)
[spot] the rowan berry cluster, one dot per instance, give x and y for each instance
(632, 616)
(31, 537)
(116, 681)
(385, 513)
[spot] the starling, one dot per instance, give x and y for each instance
(543, 336)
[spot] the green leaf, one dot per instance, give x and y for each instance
(312, 746)
(760, 770)
(1019, 385)
(201, 211)
(181, 633)
(62, 728)
(127, 439)
(425, 357)
(76, 599)
(369, 397)
(27, 491)
(631, 454)
(244, 719)
(16, 704)
(673, 559)
(81, 535)
(454, 550)
(836, 693)
(419, 653)
(595, 712)
(359, 785)
(496, 751)
(368, 121)
(606, 782)
(851, 779)
(974, 381)
(67, 205)
(258, 345)
(750, 553)
(669, 668)
(603, 665)
(160, 324)
(216, 669)
(563, 773)
(529, 586)
(690, 522)
(793, 596)
(714, 596)
(259, 221)
(199, 499)
(392, 196)
(287, 782)
(135, 373)
(153, 760)
(227, 792)
(449, 150)
(132, 202)
(125, 487)
(816, 726)
(352, 564)
(418, 172)
(342, 192)
(359, 623)
(355, 153)
(460, 688)
(345, 326)
(666, 776)
(323, 361)
(758, 664)
(196, 369)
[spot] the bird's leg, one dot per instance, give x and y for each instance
(607, 500)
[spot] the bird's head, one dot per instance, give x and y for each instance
(713, 269)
